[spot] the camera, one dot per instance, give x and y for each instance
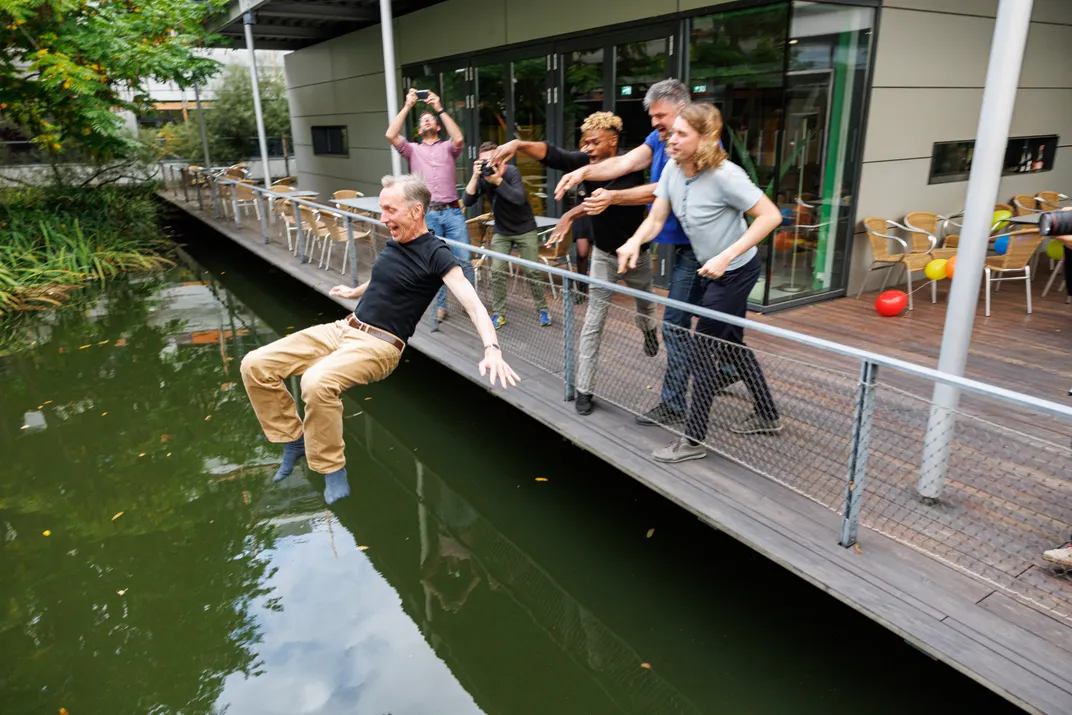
(487, 168)
(422, 94)
(1055, 223)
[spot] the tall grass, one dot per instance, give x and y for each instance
(53, 240)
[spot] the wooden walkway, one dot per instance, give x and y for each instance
(974, 625)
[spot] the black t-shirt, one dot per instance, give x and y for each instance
(405, 278)
(612, 228)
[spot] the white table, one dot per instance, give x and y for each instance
(542, 223)
(301, 194)
(371, 204)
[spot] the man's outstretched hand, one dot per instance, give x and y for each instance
(344, 292)
(496, 368)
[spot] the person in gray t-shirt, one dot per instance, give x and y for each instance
(710, 196)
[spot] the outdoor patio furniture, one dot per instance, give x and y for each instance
(1017, 259)
(555, 255)
(882, 259)
(1024, 204)
(479, 233)
(345, 194)
(337, 233)
(1051, 200)
(313, 227)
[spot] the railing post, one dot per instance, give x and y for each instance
(262, 209)
(351, 249)
(215, 184)
(163, 178)
(200, 198)
(184, 176)
(567, 338)
(858, 451)
(299, 234)
(234, 204)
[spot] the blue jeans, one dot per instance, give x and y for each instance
(450, 223)
(686, 286)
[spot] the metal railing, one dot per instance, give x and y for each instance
(851, 442)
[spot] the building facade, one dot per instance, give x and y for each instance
(840, 110)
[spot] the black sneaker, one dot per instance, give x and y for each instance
(584, 403)
(651, 343)
(661, 414)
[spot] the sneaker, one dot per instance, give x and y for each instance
(498, 320)
(679, 451)
(1061, 556)
(754, 424)
(545, 317)
(584, 403)
(651, 343)
(441, 314)
(661, 414)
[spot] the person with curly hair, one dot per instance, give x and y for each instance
(710, 197)
(609, 230)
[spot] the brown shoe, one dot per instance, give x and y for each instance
(441, 314)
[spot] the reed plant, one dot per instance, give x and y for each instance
(54, 240)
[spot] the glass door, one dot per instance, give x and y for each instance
(637, 66)
(530, 101)
(453, 83)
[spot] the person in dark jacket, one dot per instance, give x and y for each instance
(515, 225)
(609, 231)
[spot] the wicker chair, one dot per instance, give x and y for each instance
(1017, 259)
(1047, 200)
(1024, 204)
(337, 233)
(556, 253)
(479, 233)
(882, 259)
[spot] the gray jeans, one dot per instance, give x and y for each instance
(605, 267)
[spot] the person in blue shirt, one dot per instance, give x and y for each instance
(664, 100)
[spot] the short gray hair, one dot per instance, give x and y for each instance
(673, 91)
(414, 187)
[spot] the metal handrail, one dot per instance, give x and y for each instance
(1015, 398)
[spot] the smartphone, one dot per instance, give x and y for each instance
(422, 94)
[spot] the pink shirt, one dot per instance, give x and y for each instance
(435, 162)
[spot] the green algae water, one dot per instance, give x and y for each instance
(148, 565)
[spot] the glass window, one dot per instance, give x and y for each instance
(530, 124)
(736, 62)
(822, 145)
(638, 65)
(582, 92)
(330, 141)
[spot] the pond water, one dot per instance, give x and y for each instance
(148, 565)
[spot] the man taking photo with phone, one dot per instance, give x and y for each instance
(433, 158)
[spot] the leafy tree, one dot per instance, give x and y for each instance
(231, 123)
(67, 65)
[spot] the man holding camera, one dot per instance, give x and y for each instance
(433, 158)
(515, 225)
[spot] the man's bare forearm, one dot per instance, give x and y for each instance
(453, 129)
(636, 196)
(394, 129)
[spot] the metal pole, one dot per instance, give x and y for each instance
(249, 20)
(861, 438)
(201, 125)
(567, 338)
(992, 136)
(299, 234)
(387, 30)
(262, 209)
(215, 184)
(200, 198)
(234, 204)
(184, 177)
(351, 249)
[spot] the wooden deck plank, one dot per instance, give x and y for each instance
(1046, 627)
(921, 599)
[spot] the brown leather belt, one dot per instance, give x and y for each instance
(440, 206)
(375, 332)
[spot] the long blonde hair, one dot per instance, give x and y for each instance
(707, 121)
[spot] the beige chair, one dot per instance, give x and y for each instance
(247, 197)
(313, 228)
(924, 228)
(1047, 200)
(337, 233)
(883, 259)
(555, 254)
(1024, 204)
(1017, 259)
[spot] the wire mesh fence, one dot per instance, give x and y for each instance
(1006, 491)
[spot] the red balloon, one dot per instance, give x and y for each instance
(891, 302)
(950, 267)
(783, 240)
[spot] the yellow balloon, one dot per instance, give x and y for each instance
(1000, 216)
(935, 270)
(1055, 250)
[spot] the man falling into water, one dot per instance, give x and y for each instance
(365, 346)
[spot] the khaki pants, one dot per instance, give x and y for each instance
(528, 247)
(330, 358)
(605, 267)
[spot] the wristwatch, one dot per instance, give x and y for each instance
(441, 111)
